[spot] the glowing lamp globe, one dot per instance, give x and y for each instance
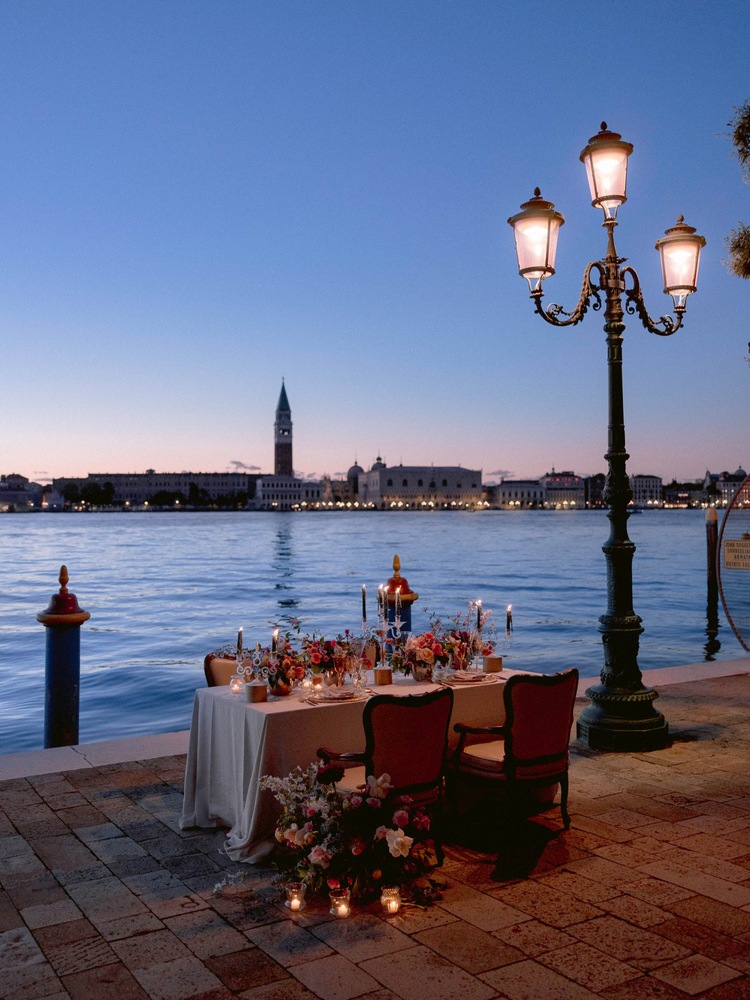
(680, 252)
(535, 229)
(606, 162)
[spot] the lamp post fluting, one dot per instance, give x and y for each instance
(621, 714)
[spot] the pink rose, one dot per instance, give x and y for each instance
(400, 817)
(318, 856)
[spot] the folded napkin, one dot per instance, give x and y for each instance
(465, 676)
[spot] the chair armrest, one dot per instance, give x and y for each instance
(465, 731)
(459, 727)
(339, 758)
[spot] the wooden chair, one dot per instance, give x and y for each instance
(218, 670)
(530, 751)
(407, 738)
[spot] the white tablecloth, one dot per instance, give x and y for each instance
(233, 744)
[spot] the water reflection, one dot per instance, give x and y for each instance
(712, 645)
(283, 569)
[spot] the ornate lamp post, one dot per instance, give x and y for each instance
(621, 714)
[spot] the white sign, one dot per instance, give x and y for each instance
(737, 553)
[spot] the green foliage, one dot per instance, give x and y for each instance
(738, 241)
(740, 125)
(738, 245)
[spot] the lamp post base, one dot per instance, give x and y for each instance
(620, 720)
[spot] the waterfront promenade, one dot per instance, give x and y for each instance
(647, 895)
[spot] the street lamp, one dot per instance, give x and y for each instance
(621, 714)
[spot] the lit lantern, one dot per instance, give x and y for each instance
(606, 161)
(390, 900)
(535, 228)
(295, 896)
(340, 903)
(680, 251)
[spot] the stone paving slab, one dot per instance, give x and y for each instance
(646, 897)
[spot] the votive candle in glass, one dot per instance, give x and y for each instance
(236, 684)
(341, 903)
(390, 900)
(295, 896)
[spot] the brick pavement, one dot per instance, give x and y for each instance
(647, 895)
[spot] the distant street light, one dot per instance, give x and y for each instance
(621, 713)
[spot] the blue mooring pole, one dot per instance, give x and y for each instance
(62, 672)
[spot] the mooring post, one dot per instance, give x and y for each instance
(62, 619)
(712, 544)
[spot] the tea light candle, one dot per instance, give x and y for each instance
(236, 684)
(295, 896)
(340, 903)
(390, 900)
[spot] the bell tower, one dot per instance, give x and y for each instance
(283, 436)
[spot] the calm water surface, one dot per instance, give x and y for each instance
(165, 589)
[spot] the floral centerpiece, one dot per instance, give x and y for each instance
(419, 654)
(360, 840)
(462, 636)
(335, 657)
(282, 665)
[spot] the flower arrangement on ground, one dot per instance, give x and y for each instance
(360, 840)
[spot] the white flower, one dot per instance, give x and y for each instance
(398, 843)
(378, 787)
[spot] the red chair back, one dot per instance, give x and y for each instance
(538, 719)
(406, 737)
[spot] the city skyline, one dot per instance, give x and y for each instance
(200, 199)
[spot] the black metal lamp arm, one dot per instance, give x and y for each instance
(589, 291)
(665, 326)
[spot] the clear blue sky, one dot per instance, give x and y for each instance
(198, 198)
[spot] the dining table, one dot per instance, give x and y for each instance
(234, 743)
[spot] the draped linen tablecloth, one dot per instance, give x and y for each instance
(234, 743)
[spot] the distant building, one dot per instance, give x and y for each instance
(283, 465)
(564, 491)
(647, 491)
(17, 493)
(512, 494)
(720, 487)
(420, 487)
(278, 493)
(688, 494)
(342, 492)
(283, 490)
(594, 489)
(135, 489)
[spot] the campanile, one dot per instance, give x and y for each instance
(283, 436)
